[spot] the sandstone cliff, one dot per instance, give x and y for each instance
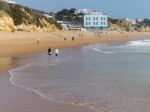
(6, 22)
(18, 18)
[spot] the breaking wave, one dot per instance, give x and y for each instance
(139, 43)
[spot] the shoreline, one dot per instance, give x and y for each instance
(33, 92)
(17, 98)
(11, 59)
(13, 44)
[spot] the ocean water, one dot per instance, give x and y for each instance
(103, 77)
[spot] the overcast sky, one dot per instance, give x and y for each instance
(113, 8)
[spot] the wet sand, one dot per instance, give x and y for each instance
(15, 99)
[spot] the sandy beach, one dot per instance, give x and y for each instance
(17, 43)
(15, 50)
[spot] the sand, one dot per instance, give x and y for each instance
(14, 99)
(17, 43)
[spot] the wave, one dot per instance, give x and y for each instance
(139, 43)
(139, 46)
(101, 51)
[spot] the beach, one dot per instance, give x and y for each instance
(81, 92)
(17, 43)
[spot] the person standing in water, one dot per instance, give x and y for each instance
(49, 51)
(56, 52)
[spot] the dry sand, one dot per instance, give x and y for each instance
(23, 42)
(15, 99)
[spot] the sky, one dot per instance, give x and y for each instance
(113, 8)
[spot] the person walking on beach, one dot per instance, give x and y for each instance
(56, 52)
(38, 41)
(72, 38)
(49, 51)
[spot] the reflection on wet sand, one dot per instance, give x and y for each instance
(7, 63)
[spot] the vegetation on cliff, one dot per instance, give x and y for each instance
(69, 16)
(120, 24)
(124, 25)
(25, 16)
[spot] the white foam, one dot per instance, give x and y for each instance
(139, 43)
(101, 51)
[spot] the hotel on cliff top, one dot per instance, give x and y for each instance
(95, 21)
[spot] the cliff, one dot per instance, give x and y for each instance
(6, 22)
(121, 25)
(124, 25)
(19, 18)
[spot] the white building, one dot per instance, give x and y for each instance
(95, 21)
(139, 20)
(60, 22)
(9, 1)
(132, 21)
(48, 16)
(83, 11)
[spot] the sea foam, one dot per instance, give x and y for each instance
(139, 43)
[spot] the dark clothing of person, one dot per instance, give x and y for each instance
(72, 38)
(49, 51)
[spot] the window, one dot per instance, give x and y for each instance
(104, 23)
(96, 23)
(89, 18)
(93, 23)
(101, 23)
(86, 18)
(96, 18)
(89, 23)
(104, 18)
(86, 23)
(101, 18)
(93, 18)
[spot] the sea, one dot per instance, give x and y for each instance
(112, 77)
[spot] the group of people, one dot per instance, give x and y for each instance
(50, 51)
(80, 35)
(71, 38)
